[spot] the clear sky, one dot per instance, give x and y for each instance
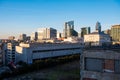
(26, 16)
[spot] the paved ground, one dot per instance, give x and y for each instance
(68, 71)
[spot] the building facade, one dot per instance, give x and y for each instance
(108, 31)
(115, 32)
(22, 37)
(1, 54)
(59, 35)
(10, 55)
(11, 37)
(34, 51)
(47, 33)
(34, 36)
(97, 39)
(84, 31)
(69, 29)
(98, 26)
(100, 65)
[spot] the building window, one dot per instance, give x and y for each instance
(108, 65)
(117, 66)
(93, 64)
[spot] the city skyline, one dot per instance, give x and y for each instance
(26, 16)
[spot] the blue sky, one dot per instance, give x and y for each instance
(26, 16)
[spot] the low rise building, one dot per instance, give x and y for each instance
(34, 51)
(100, 65)
(74, 40)
(97, 39)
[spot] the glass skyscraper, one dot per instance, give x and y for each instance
(98, 27)
(69, 29)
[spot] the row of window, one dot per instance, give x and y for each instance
(102, 65)
(36, 51)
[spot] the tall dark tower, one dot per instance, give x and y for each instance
(98, 27)
(68, 30)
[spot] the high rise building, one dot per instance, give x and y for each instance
(22, 37)
(84, 31)
(98, 27)
(46, 33)
(69, 29)
(34, 36)
(10, 56)
(58, 35)
(115, 32)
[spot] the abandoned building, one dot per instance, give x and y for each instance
(100, 65)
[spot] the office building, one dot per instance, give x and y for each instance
(34, 36)
(47, 33)
(58, 35)
(85, 30)
(69, 29)
(115, 33)
(98, 26)
(22, 37)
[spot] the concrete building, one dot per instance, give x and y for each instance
(1, 55)
(3, 50)
(84, 31)
(34, 51)
(46, 33)
(100, 65)
(10, 55)
(115, 33)
(74, 40)
(97, 39)
(69, 29)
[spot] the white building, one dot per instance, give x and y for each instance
(10, 56)
(58, 35)
(74, 40)
(97, 39)
(34, 36)
(33, 51)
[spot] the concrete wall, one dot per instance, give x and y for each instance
(28, 54)
(109, 61)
